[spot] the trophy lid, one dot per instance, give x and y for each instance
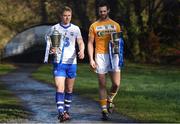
(116, 35)
(55, 32)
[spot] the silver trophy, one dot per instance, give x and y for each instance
(56, 42)
(115, 41)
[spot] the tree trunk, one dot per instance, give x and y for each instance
(43, 12)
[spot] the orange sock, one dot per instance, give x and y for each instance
(103, 104)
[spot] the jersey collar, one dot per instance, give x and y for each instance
(65, 26)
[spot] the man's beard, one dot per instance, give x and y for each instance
(104, 17)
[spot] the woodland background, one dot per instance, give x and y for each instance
(150, 27)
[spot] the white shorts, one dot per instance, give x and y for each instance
(104, 65)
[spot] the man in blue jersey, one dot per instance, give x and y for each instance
(64, 70)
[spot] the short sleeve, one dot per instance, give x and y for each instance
(48, 32)
(91, 31)
(79, 33)
(118, 28)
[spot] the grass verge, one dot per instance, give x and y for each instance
(148, 93)
(11, 108)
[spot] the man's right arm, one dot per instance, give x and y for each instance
(90, 48)
(91, 51)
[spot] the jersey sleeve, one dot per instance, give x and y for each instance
(48, 33)
(79, 33)
(91, 31)
(118, 28)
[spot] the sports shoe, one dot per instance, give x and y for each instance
(105, 116)
(67, 116)
(61, 117)
(110, 106)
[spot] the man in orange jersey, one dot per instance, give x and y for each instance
(100, 35)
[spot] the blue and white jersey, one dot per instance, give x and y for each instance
(68, 40)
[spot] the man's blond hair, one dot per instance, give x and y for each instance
(66, 8)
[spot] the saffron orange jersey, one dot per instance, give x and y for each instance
(101, 32)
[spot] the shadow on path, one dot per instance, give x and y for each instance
(39, 98)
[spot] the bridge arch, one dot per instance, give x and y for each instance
(25, 43)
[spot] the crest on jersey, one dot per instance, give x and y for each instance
(105, 30)
(71, 33)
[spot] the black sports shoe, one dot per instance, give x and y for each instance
(110, 106)
(61, 117)
(105, 116)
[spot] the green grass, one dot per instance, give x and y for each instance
(148, 93)
(10, 106)
(44, 74)
(5, 68)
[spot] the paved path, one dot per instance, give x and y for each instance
(39, 98)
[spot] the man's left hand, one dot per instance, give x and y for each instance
(81, 54)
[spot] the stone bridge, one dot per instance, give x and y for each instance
(27, 46)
